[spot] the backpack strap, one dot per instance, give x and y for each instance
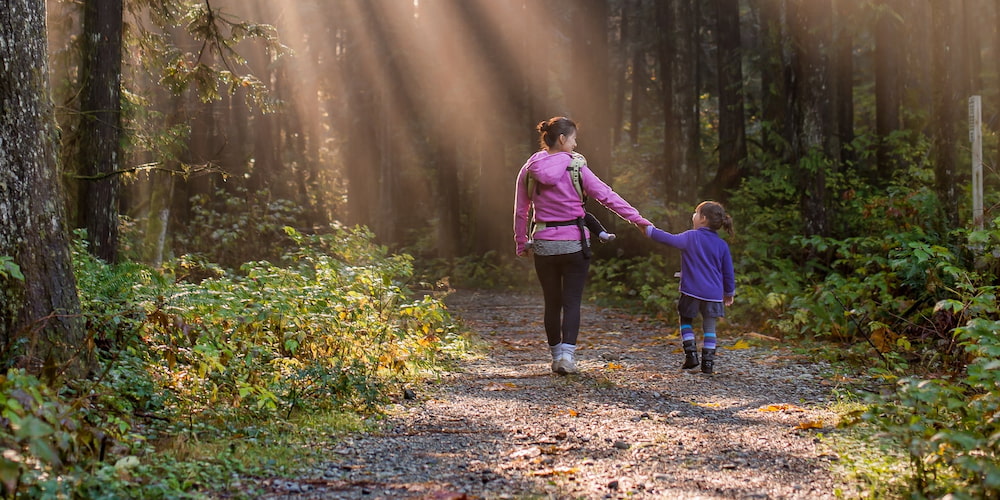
(575, 175)
(574, 169)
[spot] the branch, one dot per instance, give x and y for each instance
(186, 171)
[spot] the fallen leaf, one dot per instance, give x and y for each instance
(533, 451)
(501, 386)
(780, 407)
(614, 366)
(558, 471)
(708, 405)
(569, 412)
(740, 344)
(811, 424)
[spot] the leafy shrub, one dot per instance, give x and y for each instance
(207, 353)
(233, 228)
(949, 430)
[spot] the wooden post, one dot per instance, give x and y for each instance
(976, 138)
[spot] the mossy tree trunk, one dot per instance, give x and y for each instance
(40, 322)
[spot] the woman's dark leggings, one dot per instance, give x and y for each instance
(562, 278)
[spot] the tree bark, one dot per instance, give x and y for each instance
(888, 87)
(946, 102)
(843, 78)
(732, 128)
(775, 77)
(815, 146)
(621, 66)
(589, 87)
(43, 308)
(679, 69)
(100, 127)
(639, 78)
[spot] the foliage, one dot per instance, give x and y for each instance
(239, 227)
(647, 280)
(10, 269)
(488, 270)
(188, 365)
(944, 433)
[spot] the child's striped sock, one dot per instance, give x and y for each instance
(687, 333)
(709, 340)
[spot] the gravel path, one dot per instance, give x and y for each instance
(631, 424)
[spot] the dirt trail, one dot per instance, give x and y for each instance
(630, 425)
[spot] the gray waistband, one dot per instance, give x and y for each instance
(556, 247)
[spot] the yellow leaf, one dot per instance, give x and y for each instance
(780, 407)
(708, 405)
(811, 424)
(558, 471)
(497, 386)
(614, 366)
(740, 344)
(569, 412)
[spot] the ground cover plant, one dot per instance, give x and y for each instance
(905, 307)
(199, 365)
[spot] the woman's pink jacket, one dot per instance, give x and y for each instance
(555, 199)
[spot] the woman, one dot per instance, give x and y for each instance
(558, 234)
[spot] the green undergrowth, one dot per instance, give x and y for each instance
(902, 303)
(209, 376)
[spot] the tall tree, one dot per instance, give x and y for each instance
(842, 72)
(732, 128)
(640, 77)
(774, 67)
(815, 146)
(590, 102)
(679, 67)
(621, 65)
(888, 87)
(947, 101)
(100, 154)
(44, 307)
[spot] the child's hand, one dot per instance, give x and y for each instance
(728, 301)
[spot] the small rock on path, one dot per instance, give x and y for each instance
(631, 424)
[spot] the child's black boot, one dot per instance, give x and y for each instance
(690, 354)
(707, 360)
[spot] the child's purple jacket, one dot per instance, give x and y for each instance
(556, 200)
(706, 264)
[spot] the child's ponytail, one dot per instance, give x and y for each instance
(716, 215)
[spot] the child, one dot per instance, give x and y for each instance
(707, 281)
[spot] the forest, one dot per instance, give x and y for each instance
(220, 212)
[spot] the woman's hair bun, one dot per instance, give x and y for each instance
(543, 126)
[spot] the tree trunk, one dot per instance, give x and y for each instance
(843, 78)
(590, 102)
(888, 89)
(815, 145)
(100, 128)
(732, 129)
(947, 102)
(666, 47)
(621, 66)
(679, 68)
(639, 78)
(775, 78)
(43, 308)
